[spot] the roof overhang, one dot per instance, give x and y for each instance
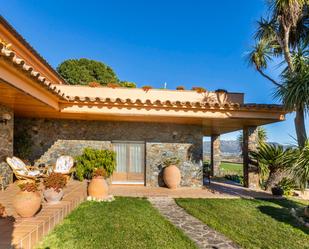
(29, 87)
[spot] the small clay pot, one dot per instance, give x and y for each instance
(171, 176)
(27, 203)
(52, 196)
(98, 188)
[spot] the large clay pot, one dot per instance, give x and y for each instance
(222, 97)
(306, 211)
(171, 176)
(27, 203)
(52, 196)
(98, 188)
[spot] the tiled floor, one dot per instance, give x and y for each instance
(16, 232)
(215, 190)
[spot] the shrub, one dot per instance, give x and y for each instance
(171, 161)
(57, 181)
(128, 84)
(287, 185)
(28, 186)
(235, 178)
(92, 159)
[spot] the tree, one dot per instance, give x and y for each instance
(84, 71)
(279, 36)
(273, 162)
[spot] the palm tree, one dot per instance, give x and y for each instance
(279, 36)
(300, 170)
(273, 162)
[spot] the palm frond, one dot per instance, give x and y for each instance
(260, 55)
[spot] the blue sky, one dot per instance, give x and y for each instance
(190, 43)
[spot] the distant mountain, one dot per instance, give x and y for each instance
(228, 147)
(231, 147)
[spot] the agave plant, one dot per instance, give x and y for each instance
(300, 170)
(273, 162)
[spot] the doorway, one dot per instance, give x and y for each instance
(130, 163)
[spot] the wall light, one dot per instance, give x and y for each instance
(5, 117)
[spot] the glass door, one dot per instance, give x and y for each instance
(130, 162)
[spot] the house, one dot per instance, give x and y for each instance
(40, 111)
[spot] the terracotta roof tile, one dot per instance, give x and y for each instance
(27, 69)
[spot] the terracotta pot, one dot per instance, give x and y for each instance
(98, 188)
(306, 211)
(222, 97)
(171, 176)
(27, 203)
(52, 196)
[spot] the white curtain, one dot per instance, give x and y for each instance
(121, 157)
(136, 158)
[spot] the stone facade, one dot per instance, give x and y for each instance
(51, 138)
(190, 164)
(215, 154)
(6, 144)
(250, 143)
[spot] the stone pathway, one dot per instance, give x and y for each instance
(200, 233)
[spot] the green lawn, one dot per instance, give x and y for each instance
(232, 168)
(124, 223)
(252, 223)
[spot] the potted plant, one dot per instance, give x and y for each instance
(94, 84)
(98, 188)
(221, 95)
(28, 201)
(146, 88)
(171, 173)
(277, 191)
(180, 88)
(199, 89)
(54, 185)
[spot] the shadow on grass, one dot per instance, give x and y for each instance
(283, 214)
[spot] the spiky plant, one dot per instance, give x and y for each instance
(273, 161)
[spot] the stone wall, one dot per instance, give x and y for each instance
(6, 144)
(51, 138)
(190, 164)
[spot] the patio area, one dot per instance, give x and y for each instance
(16, 232)
(215, 190)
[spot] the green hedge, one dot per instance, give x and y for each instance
(92, 159)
